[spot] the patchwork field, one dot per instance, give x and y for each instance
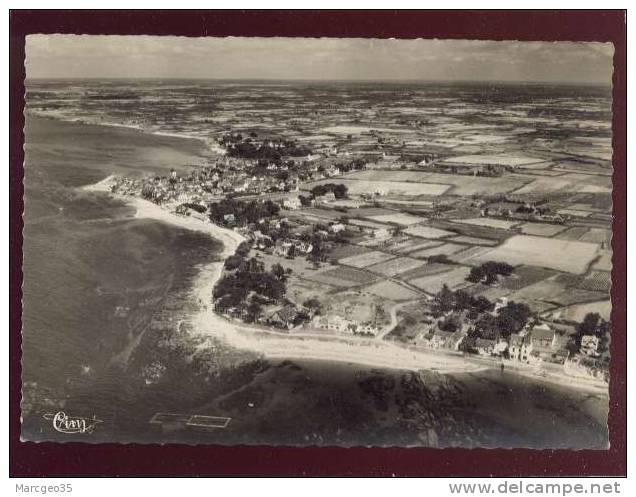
(462, 185)
(455, 278)
(597, 235)
(359, 187)
(342, 277)
(392, 291)
(541, 229)
(472, 240)
(489, 222)
(427, 232)
(577, 312)
(571, 182)
(445, 249)
(395, 266)
(426, 270)
(500, 160)
(399, 218)
(416, 244)
(605, 261)
(562, 255)
(366, 259)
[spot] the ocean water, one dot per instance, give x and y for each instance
(93, 273)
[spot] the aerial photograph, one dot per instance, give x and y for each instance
(317, 242)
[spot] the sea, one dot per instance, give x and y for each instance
(103, 340)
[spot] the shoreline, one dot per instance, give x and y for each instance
(210, 145)
(272, 344)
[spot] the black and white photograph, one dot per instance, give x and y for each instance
(317, 242)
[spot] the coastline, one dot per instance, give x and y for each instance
(275, 345)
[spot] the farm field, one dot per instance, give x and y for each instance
(455, 278)
(524, 276)
(399, 218)
(367, 259)
(578, 311)
(427, 232)
(416, 244)
(597, 235)
(541, 229)
(300, 289)
(342, 251)
(574, 233)
(395, 266)
(446, 249)
(468, 254)
(605, 261)
(500, 160)
(472, 240)
(392, 291)
(571, 182)
(562, 255)
(597, 281)
(426, 270)
(359, 187)
(342, 277)
(462, 185)
(489, 222)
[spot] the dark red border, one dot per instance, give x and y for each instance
(50, 459)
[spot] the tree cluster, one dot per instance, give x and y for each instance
(244, 212)
(488, 272)
(339, 190)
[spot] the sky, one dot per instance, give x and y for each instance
(90, 56)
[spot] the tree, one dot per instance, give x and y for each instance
(444, 300)
(313, 304)
(254, 311)
(279, 272)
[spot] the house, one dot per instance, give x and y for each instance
(229, 219)
(515, 346)
(441, 339)
(292, 203)
(589, 345)
(500, 347)
(336, 227)
(327, 197)
(542, 337)
(283, 317)
(485, 346)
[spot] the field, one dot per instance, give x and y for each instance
(500, 160)
(605, 261)
(395, 266)
(472, 240)
(597, 281)
(446, 249)
(489, 222)
(391, 291)
(541, 229)
(570, 182)
(462, 185)
(562, 255)
(577, 312)
(427, 232)
(455, 278)
(574, 233)
(399, 218)
(416, 244)
(597, 235)
(525, 276)
(364, 260)
(469, 253)
(359, 187)
(426, 270)
(342, 251)
(342, 277)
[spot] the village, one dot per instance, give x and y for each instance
(348, 234)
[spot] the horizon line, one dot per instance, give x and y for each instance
(304, 80)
